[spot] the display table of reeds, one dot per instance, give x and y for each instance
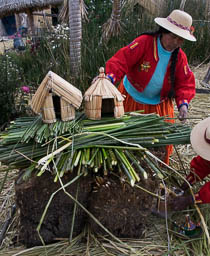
(102, 173)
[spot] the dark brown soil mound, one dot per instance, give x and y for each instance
(33, 196)
(122, 209)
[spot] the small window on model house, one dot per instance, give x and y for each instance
(57, 106)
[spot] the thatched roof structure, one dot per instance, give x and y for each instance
(102, 97)
(154, 7)
(8, 7)
(70, 98)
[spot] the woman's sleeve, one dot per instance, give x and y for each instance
(203, 196)
(124, 59)
(184, 81)
(199, 169)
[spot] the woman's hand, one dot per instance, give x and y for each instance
(183, 113)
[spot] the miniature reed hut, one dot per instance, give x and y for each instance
(103, 98)
(56, 98)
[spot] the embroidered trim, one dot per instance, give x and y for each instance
(185, 70)
(134, 45)
(155, 49)
(112, 77)
(183, 102)
(178, 25)
(145, 66)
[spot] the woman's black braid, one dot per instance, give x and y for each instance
(174, 55)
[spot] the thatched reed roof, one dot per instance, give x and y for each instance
(8, 7)
(154, 7)
(104, 88)
(60, 87)
(102, 97)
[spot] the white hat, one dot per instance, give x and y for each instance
(200, 138)
(179, 23)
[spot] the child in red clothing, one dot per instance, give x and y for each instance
(199, 167)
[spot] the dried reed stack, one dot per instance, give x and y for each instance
(103, 97)
(42, 101)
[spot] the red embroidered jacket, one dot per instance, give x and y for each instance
(200, 168)
(139, 60)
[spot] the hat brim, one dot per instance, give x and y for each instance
(163, 22)
(199, 144)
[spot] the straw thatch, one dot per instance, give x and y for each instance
(152, 6)
(8, 7)
(102, 97)
(113, 27)
(69, 98)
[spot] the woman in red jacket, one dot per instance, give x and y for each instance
(153, 70)
(199, 167)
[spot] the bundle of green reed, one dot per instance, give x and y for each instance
(108, 144)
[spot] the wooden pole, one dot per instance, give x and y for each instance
(31, 26)
(182, 5)
(18, 20)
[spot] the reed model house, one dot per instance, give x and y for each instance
(102, 98)
(55, 99)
